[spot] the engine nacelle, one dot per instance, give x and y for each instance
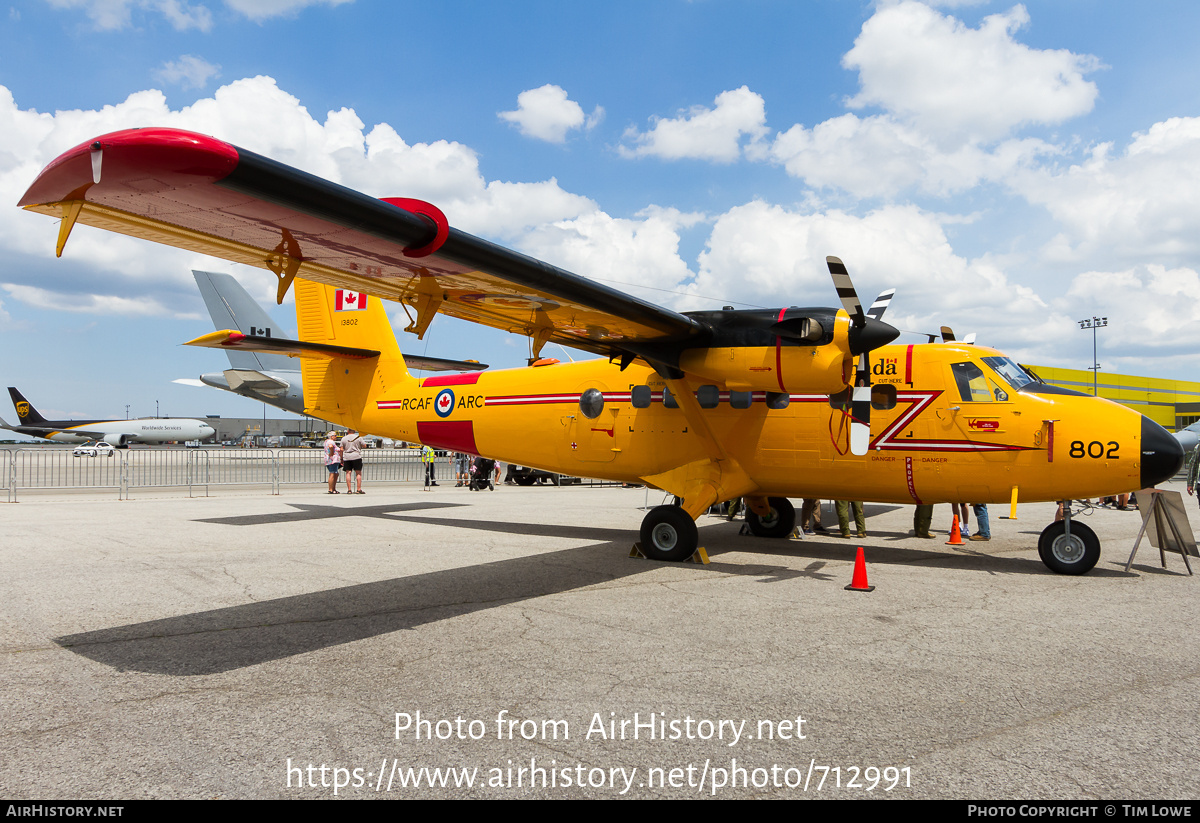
(791, 365)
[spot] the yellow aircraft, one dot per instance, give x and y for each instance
(708, 406)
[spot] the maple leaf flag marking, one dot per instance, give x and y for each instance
(345, 300)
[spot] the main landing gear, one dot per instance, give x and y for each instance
(669, 532)
(1068, 547)
(780, 521)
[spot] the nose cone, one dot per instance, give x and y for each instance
(1162, 456)
(871, 335)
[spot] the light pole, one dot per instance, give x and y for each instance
(1093, 324)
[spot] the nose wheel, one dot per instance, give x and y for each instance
(1074, 553)
(669, 533)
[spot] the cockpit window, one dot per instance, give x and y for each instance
(973, 387)
(1008, 369)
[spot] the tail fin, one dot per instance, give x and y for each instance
(26, 413)
(231, 307)
(339, 389)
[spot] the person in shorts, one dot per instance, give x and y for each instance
(352, 461)
(333, 460)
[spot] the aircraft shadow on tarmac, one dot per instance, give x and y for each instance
(235, 637)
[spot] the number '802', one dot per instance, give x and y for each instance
(1095, 449)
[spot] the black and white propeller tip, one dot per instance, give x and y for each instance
(867, 330)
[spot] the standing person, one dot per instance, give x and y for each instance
(352, 459)
(983, 529)
(428, 457)
(810, 516)
(462, 467)
(843, 516)
(960, 510)
(1193, 470)
(333, 460)
(922, 520)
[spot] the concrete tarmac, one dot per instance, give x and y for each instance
(313, 646)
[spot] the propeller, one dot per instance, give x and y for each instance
(948, 336)
(867, 331)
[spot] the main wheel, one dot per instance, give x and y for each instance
(524, 479)
(1076, 554)
(669, 533)
(779, 522)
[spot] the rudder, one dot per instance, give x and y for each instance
(338, 389)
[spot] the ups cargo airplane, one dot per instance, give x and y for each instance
(116, 432)
(708, 406)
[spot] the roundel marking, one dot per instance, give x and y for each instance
(444, 404)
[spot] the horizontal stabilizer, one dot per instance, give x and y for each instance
(228, 338)
(416, 361)
(255, 380)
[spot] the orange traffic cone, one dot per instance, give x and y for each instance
(955, 534)
(859, 582)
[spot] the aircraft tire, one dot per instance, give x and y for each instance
(669, 533)
(779, 523)
(1074, 556)
(524, 480)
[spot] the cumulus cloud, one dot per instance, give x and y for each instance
(87, 303)
(113, 15)
(188, 72)
(1153, 310)
(255, 114)
(933, 71)
(700, 133)
(546, 113)
(110, 15)
(774, 256)
(1143, 201)
(626, 253)
(262, 9)
(952, 95)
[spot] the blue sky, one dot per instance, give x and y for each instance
(1009, 168)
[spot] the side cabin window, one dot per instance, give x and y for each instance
(973, 387)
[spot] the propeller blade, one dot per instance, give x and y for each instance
(845, 290)
(880, 305)
(947, 334)
(970, 339)
(867, 332)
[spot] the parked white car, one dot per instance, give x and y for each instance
(94, 448)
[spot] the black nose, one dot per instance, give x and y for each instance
(1162, 456)
(871, 335)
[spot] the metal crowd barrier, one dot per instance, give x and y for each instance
(128, 470)
(50, 468)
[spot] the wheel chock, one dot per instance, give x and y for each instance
(859, 582)
(699, 556)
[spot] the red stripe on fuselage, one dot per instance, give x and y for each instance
(779, 353)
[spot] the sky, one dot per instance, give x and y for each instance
(1010, 169)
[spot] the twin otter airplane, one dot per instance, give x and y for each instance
(708, 406)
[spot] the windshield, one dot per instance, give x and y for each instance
(1012, 374)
